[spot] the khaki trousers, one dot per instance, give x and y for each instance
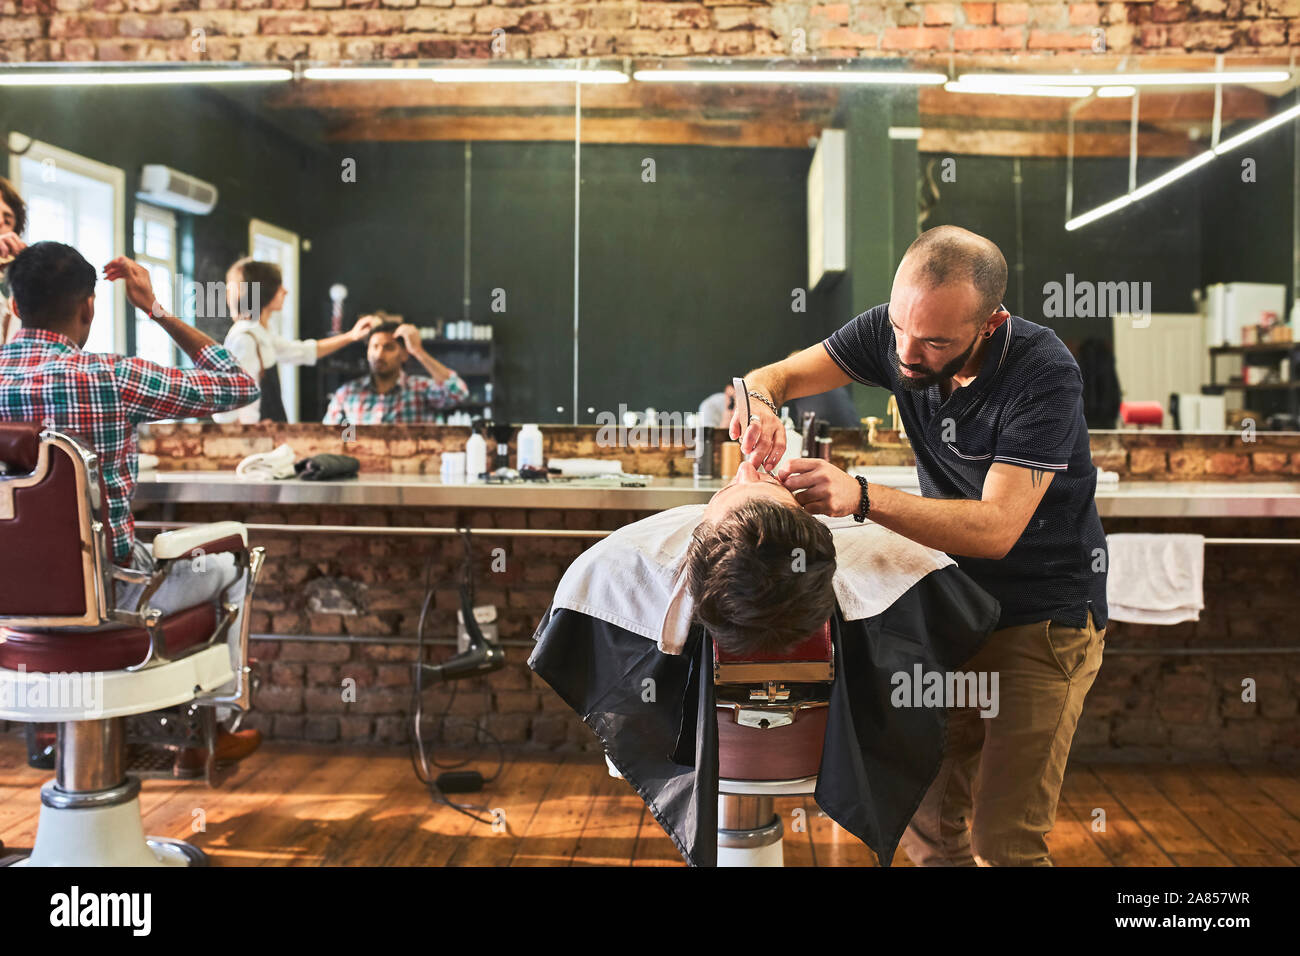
(994, 800)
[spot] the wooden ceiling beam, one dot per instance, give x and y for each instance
(666, 132)
(999, 142)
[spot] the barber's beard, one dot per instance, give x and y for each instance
(928, 378)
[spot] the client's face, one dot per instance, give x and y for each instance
(749, 483)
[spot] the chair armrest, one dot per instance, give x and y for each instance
(208, 538)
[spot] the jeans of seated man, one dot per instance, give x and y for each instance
(995, 797)
(189, 582)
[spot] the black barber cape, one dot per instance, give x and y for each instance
(878, 761)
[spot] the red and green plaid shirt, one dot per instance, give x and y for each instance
(414, 398)
(46, 378)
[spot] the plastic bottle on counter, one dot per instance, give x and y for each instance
(475, 456)
(823, 441)
(528, 447)
(793, 440)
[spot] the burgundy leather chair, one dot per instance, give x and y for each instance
(771, 728)
(56, 578)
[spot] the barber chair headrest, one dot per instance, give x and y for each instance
(812, 659)
(20, 447)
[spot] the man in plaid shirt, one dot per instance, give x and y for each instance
(388, 395)
(46, 377)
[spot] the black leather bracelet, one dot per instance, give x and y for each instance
(864, 503)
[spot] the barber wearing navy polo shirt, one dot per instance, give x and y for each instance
(992, 405)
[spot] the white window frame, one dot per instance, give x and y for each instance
(112, 176)
(288, 321)
(148, 211)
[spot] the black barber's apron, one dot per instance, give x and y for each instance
(272, 406)
(268, 381)
(655, 712)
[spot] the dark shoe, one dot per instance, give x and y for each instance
(41, 739)
(230, 748)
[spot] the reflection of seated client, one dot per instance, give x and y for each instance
(388, 395)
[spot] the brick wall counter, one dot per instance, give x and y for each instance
(1163, 692)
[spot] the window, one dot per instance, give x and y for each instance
(155, 249)
(80, 202)
(269, 243)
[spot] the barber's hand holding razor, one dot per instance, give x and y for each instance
(762, 436)
(820, 487)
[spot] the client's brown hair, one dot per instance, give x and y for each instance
(248, 271)
(752, 591)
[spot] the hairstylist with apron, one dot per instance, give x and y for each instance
(254, 292)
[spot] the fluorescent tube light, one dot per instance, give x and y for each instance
(1189, 78)
(1259, 129)
(1178, 172)
(811, 77)
(1103, 210)
(140, 77)
(1018, 89)
(476, 74)
(1182, 169)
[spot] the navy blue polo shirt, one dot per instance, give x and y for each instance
(1024, 408)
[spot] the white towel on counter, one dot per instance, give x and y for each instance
(582, 467)
(628, 577)
(1155, 578)
(267, 465)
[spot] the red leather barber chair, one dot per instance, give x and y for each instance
(771, 727)
(55, 575)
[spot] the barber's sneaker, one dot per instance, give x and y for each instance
(230, 748)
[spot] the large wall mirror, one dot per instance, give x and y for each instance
(631, 241)
(1147, 224)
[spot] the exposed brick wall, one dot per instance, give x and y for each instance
(259, 30)
(1136, 455)
(1161, 707)
(1142, 707)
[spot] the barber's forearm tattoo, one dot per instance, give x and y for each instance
(1036, 475)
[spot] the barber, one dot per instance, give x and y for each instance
(993, 408)
(13, 221)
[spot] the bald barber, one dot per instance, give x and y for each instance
(993, 407)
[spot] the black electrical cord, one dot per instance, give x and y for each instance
(417, 746)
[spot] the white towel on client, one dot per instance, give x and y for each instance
(1155, 578)
(627, 578)
(267, 465)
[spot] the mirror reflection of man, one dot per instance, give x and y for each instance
(716, 410)
(388, 395)
(993, 408)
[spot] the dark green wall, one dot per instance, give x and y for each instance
(1247, 227)
(688, 280)
(881, 215)
(1156, 241)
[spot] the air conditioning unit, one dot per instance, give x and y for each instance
(163, 186)
(827, 200)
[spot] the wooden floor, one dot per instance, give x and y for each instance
(304, 806)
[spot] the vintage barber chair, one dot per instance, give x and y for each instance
(56, 574)
(771, 727)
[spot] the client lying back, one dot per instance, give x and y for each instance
(752, 566)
